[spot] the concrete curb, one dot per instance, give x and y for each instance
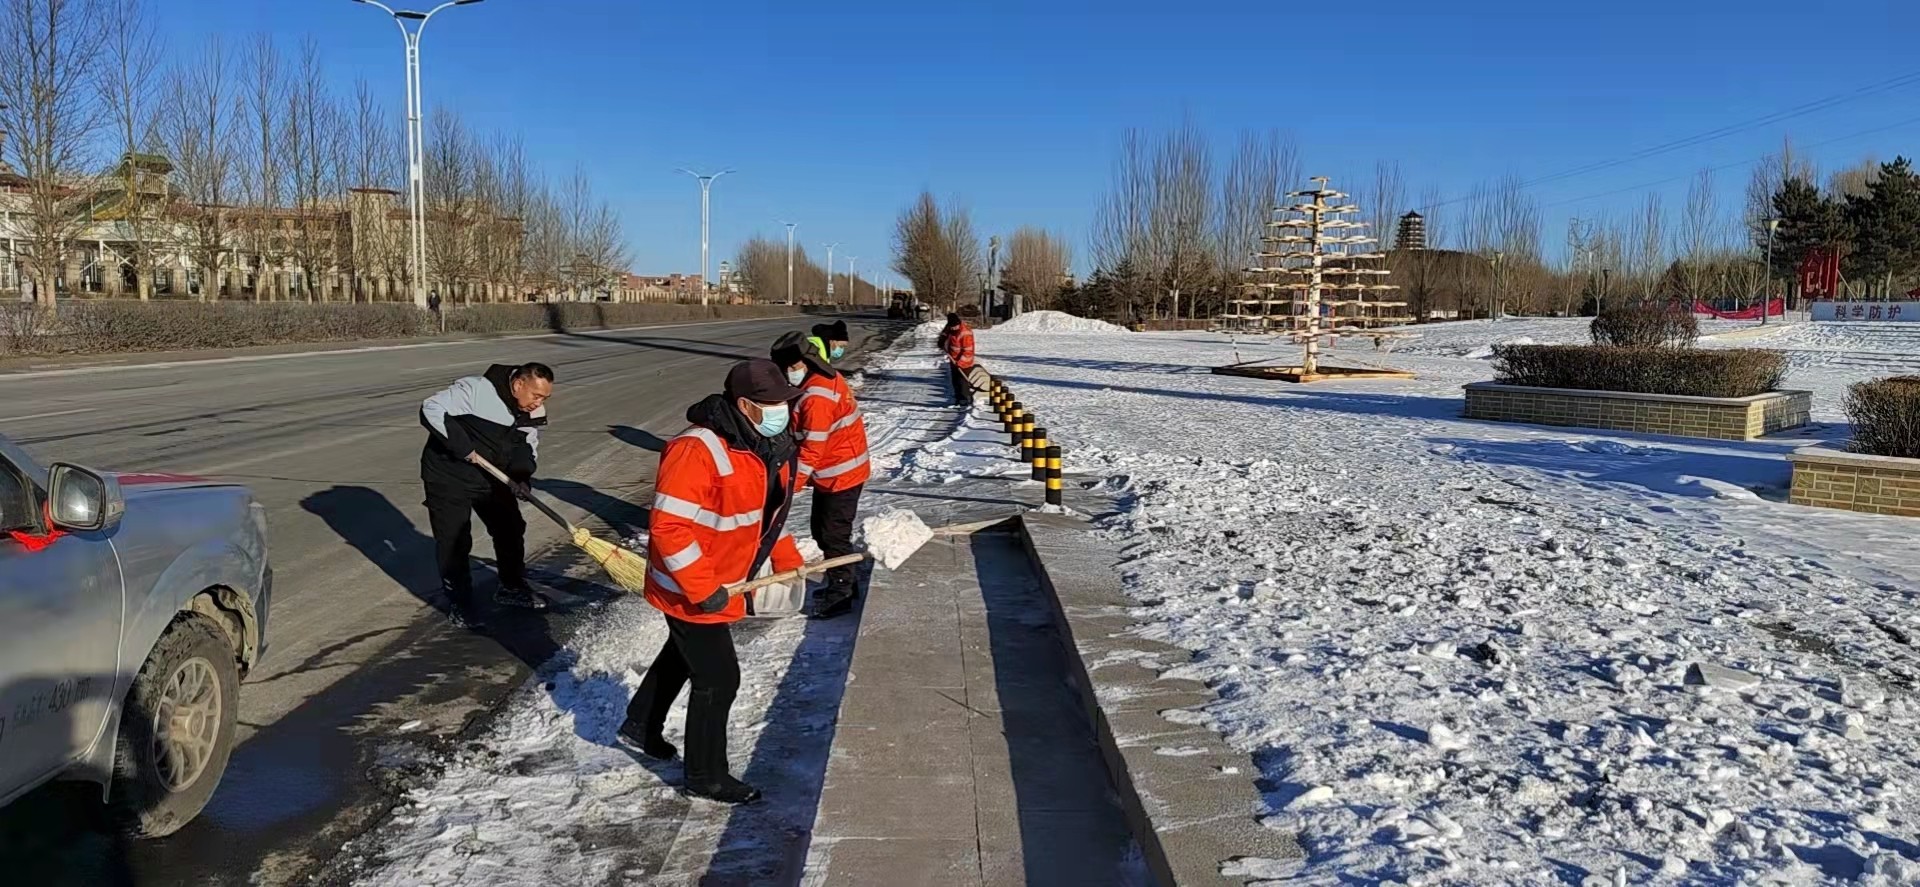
(1188, 798)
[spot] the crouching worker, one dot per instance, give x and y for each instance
(833, 457)
(720, 506)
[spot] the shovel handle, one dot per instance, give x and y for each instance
(804, 570)
(501, 476)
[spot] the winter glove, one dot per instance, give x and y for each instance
(714, 602)
(522, 490)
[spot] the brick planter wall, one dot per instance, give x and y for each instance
(1723, 418)
(1829, 478)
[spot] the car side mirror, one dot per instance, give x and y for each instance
(84, 501)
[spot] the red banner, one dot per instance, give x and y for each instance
(1820, 274)
(1775, 308)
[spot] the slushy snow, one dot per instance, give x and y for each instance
(1058, 322)
(894, 535)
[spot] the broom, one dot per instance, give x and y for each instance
(626, 567)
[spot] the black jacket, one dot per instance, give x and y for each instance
(477, 415)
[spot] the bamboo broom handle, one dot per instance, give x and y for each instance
(502, 477)
(801, 572)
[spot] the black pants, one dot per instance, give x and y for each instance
(450, 509)
(702, 652)
(962, 388)
(832, 527)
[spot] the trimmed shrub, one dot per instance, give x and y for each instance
(1645, 326)
(1699, 373)
(1886, 416)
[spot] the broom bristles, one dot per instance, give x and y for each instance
(626, 567)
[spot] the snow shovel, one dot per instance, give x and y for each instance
(908, 534)
(626, 567)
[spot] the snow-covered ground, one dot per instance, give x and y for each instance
(549, 797)
(1471, 338)
(1475, 654)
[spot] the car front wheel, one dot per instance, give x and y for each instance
(177, 730)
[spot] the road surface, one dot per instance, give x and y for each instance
(362, 675)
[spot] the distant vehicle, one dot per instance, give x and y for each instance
(905, 307)
(130, 606)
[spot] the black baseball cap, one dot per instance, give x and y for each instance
(760, 381)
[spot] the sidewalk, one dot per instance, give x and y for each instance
(962, 755)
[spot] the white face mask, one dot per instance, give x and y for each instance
(795, 377)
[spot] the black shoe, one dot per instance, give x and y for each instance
(834, 604)
(726, 790)
(520, 596)
(655, 747)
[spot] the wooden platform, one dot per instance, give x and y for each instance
(1295, 374)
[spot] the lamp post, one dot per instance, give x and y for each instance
(416, 141)
(706, 187)
(1766, 294)
(830, 247)
(853, 294)
(790, 227)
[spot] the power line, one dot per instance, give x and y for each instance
(1667, 181)
(1700, 138)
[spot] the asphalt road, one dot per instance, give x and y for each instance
(362, 677)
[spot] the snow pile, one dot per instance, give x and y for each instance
(1474, 654)
(894, 535)
(1056, 322)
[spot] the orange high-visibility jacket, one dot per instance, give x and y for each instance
(707, 525)
(960, 347)
(833, 436)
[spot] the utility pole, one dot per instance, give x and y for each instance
(416, 140)
(830, 247)
(992, 293)
(706, 186)
(1766, 294)
(790, 227)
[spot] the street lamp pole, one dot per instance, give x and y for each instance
(1766, 294)
(853, 294)
(830, 247)
(706, 187)
(790, 227)
(416, 140)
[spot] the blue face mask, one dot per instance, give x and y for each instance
(838, 352)
(795, 377)
(773, 420)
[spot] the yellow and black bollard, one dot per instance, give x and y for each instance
(1037, 456)
(1053, 476)
(1015, 416)
(1027, 429)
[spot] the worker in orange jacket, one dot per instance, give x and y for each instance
(720, 506)
(833, 452)
(957, 341)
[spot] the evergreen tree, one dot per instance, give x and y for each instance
(1886, 225)
(1809, 220)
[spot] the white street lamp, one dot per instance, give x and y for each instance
(416, 141)
(706, 185)
(853, 294)
(790, 227)
(830, 247)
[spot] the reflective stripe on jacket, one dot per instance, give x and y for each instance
(706, 527)
(833, 435)
(960, 347)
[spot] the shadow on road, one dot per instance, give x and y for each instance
(637, 437)
(61, 833)
(619, 515)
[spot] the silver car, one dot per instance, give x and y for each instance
(130, 606)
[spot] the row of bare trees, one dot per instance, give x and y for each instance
(241, 164)
(762, 266)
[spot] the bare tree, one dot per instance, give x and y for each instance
(1701, 237)
(1263, 166)
(450, 167)
(937, 250)
(1180, 253)
(1768, 177)
(197, 128)
(1036, 266)
(1120, 224)
(49, 52)
(129, 86)
(1648, 245)
(310, 137)
(1855, 181)
(1384, 200)
(365, 155)
(263, 102)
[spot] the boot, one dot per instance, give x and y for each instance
(521, 595)
(834, 601)
(653, 746)
(727, 790)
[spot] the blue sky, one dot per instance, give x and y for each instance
(836, 114)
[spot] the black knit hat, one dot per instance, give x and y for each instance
(953, 319)
(760, 381)
(831, 332)
(788, 348)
